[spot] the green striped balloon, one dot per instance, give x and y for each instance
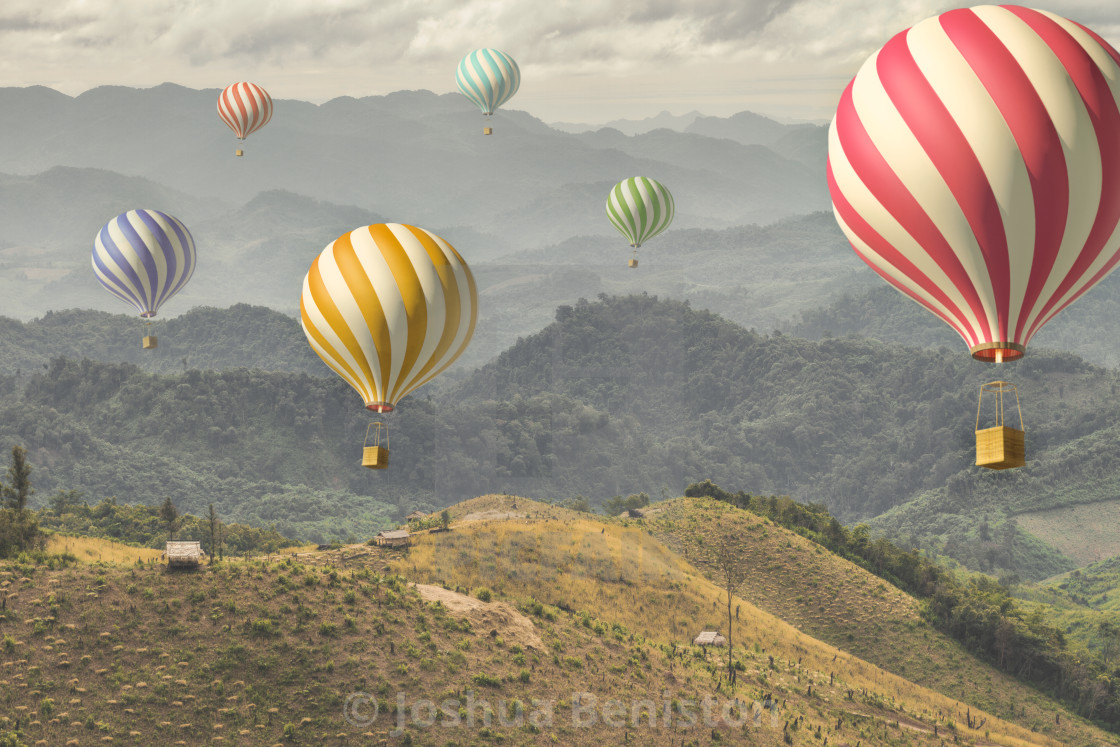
(640, 208)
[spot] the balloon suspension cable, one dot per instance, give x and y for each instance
(999, 388)
(380, 434)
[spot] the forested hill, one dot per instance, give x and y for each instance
(860, 426)
(856, 424)
(241, 336)
(618, 396)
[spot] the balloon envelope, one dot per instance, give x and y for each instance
(143, 257)
(974, 163)
(245, 107)
(640, 208)
(488, 77)
(388, 307)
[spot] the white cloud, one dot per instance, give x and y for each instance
(581, 59)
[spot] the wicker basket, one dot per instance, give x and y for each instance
(375, 457)
(149, 342)
(633, 263)
(239, 152)
(487, 130)
(1000, 448)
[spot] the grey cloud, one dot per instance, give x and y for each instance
(35, 22)
(591, 49)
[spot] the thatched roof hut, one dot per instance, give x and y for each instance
(415, 515)
(710, 638)
(184, 553)
(392, 538)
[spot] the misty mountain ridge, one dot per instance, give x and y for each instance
(662, 120)
(258, 253)
(413, 156)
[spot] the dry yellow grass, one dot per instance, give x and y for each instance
(296, 550)
(623, 574)
(94, 550)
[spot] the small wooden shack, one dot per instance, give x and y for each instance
(415, 516)
(710, 638)
(392, 538)
(184, 554)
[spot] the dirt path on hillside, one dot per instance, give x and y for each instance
(494, 515)
(485, 617)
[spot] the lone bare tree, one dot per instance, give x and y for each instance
(729, 567)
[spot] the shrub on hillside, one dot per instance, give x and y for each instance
(19, 532)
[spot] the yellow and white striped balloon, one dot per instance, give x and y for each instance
(388, 307)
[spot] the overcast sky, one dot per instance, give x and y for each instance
(581, 60)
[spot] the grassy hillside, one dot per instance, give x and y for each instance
(1084, 603)
(1088, 532)
(621, 571)
(847, 606)
(298, 648)
(276, 651)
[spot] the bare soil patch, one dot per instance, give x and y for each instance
(510, 624)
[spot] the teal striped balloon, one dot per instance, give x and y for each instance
(640, 208)
(489, 78)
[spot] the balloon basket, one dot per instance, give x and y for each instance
(633, 263)
(1000, 447)
(374, 455)
(150, 342)
(487, 130)
(239, 152)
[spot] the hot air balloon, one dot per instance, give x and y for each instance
(973, 163)
(144, 257)
(639, 208)
(489, 78)
(245, 107)
(388, 307)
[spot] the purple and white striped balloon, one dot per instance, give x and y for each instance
(143, 257)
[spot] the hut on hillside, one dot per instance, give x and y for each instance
(184, 554)
(710, 638)
(392, 538)
(415, 516)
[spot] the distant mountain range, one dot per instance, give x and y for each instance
(412, 156)
(668, 121)
(663, 120)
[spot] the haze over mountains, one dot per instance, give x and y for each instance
(753, 237)
(753, 241)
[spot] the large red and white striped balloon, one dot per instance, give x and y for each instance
(245, 107)
(974, 163)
